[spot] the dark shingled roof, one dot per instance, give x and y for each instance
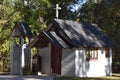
(24, 29)
(84, 34)
(53, 37)
(66, 33)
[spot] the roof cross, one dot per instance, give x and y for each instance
(57, 9)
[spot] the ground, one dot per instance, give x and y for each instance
(30, 77)
(113, 77)
(47, 77)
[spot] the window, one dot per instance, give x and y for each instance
(91, 54)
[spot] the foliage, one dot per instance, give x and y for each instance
(32, 14)
(106, 14)
(36, 13)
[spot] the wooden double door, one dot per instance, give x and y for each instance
(56, 56)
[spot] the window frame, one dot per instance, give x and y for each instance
(93, 51)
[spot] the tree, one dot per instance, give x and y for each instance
(106, 14)
(32, 13)
(40, 12)
(37, 13)
(6, 21)
(65, 12)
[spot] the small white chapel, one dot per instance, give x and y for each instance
(66, 48)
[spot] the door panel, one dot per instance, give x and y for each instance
(56, 54)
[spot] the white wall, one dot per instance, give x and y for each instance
(68, 62)
(74, 64)
(46, 59)
(102, 66)
(81, 67)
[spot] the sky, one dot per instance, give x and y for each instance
(76, 6)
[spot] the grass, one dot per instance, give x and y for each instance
(73, 78)
(114, 77)
(92, 78)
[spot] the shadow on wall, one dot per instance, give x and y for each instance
(87, 67)
(68, 62)
(74, 63)
(82, 67)
(108, 67)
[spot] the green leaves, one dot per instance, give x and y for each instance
(106, 14)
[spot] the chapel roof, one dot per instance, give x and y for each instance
(21, 29)
(66, 33)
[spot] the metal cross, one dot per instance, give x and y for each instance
(57, 8)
